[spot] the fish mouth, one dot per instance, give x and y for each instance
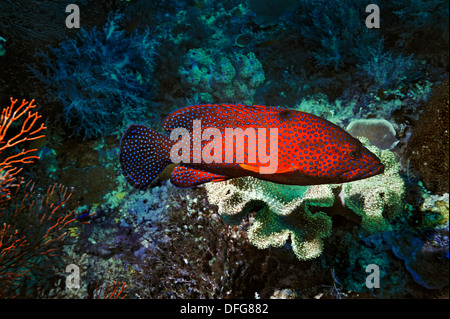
(369, 171)
(378, 169)
(372, 170)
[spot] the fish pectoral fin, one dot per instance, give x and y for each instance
(186, 177)
(257, 169)
(252, 168)
(285, 170)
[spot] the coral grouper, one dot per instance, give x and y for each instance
(218, 142)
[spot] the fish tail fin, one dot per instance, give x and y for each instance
(144, 153)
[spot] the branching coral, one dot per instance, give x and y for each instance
(335, 31)
(385, 71)
(106, 291)
(298, 212)
(102, 78)
(28, 132)
(33, 22)
(33, 226)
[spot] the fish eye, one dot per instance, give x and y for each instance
(352, 154)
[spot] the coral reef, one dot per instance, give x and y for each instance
(420, 239)
(385, 71)
(88, 168)
(420, 24)
(285, 212)
(436, 208)
(134, 62)
(174, 241)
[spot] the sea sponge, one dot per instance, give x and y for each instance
(425, 253)
(428, 147)
(428, 264)
(300, 212)
(379, 132)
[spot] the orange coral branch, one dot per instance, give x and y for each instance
(28, 132)
(33, 226)
(99, 294)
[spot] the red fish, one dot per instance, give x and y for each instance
(309, 150)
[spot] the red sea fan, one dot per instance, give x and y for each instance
(28, 132)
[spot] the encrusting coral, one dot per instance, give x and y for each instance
(285, 213)
(298, 212)
(378, 198)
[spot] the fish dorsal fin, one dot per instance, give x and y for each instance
(184, 117)
(215, 115)
(186, 177)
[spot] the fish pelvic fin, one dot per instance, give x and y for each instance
(144, 153)
(186, 177)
